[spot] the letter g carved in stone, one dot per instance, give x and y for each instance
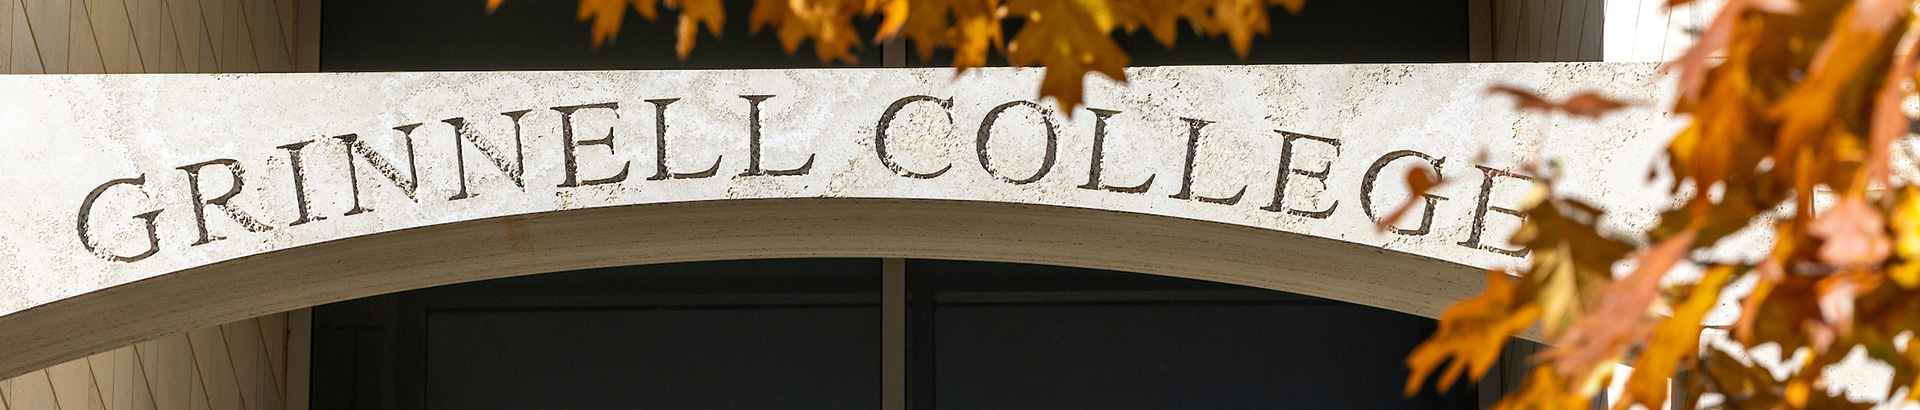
(86, 210)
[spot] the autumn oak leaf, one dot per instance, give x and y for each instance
(1472, 333)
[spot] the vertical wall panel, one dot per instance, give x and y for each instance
(215, 368)
(113, 32)
(83, 50)
(171, 58)
(236, 366)
(49, 22)
(1593, 32)
(1548, 30)
(100, 373)
(268, 40)
(158, 36)
(1571, 23)
(6, 50)
(184, 17)
(146, 16)
(173, 374)
(284, 13)
(34, 391)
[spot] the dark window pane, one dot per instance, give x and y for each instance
(718, 359)
(751, 334)
(1172, 357)
(1003, 335)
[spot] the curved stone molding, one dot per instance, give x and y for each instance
(147, 205)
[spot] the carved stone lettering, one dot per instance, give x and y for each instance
(986, 135)
(1100, 117)
(86, 210)
(886, 120)
(200, 203)
(660, 146)
(1287, 170)
(1186, 170)
(569, 146)
(407, 184)
(461, 132)
(753, 144)
(1373, 173)
(1483, 204)
(300, 202)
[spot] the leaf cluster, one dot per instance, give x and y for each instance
(1795, 108)
(1069, 38)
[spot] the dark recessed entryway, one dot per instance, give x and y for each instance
(807, 334)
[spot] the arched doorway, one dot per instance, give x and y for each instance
(815, 333)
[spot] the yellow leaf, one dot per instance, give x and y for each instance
(970, 28)
(1906, 232)
(1069, 38)
(827, 22)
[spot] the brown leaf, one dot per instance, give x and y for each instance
(1744, 386)
(1524, 100)
(1471, 333)
(1589, 104)
(1419, 181)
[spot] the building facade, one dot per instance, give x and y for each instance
(426, 225)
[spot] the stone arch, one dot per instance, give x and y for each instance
(543, 242)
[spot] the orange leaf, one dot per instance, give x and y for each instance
(1471, 333)
(607, 14)
(827, 22)
(693, 14)
(969, 27)
(1676, 340)
(1620, 319)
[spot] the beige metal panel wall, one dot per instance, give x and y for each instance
(157, 36)
(1538, 30)
(237, 366)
